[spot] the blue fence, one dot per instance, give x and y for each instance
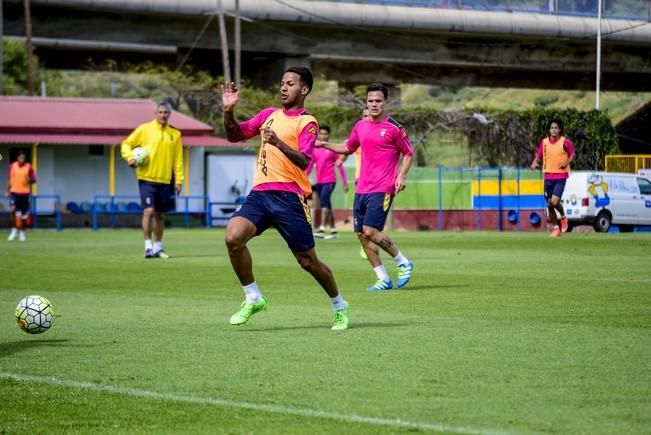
(113, 206)
(636, 10)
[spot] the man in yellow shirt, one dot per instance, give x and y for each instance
(160, 175)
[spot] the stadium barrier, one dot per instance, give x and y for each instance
(115, 205)
(441, 198)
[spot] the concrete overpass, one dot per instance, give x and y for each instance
(351, 43)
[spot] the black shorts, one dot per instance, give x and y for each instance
(554, 188)
(158, 196)
(285, 211)
(20, 202)
(324, 190)
(371, 209)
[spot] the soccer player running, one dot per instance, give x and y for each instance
(19, 187)
(160, 177)
(358, 163)
(556, 152)
(279, 188)
(383, 141)
(326, 179)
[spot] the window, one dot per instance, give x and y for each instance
(645, 186)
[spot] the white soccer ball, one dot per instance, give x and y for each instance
(34, 314)
(140, 155)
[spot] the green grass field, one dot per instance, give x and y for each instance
(496, 333)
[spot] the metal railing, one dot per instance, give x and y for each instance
(639, 10)
(627, 163)
(114, 205)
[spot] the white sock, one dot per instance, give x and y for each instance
(252, 293)
(381, 272)
(14, 231)
(321, 228)
(333, 230)
(401, 259)
(148, 244)
(338, 302)
(158, 246)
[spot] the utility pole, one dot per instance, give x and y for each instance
(238, 44)
(28, 47)
(1, 50)
(598, 78)
(224, 44)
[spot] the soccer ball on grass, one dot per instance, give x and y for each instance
(140, 155)
(34, 314)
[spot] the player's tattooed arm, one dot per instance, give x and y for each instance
(296, 157)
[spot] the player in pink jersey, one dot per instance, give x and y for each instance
(325, 161)
(383, 142)
(278, 195)
(365, 114)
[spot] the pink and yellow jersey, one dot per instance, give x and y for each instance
(274, 171)
(21, 178)
(552, 154)
(382, 144)
(324, 160)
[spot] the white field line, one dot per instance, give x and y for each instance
(274, 409)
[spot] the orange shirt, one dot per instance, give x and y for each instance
(554, 153)
(21, 178)
(273, 165)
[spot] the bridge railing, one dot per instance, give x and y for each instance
(637, 10)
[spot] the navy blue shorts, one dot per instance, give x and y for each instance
(285, 211)
(324, 191)
(20, 202)
(371, 209)
(554, 188)
(158, 196)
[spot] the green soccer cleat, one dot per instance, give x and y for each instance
(340, 320)
(246, 311)
(363, 254)
(162, 254)
(404, 274)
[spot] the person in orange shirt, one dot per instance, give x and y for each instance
(280, 185)
(556, 153)
(19, 187)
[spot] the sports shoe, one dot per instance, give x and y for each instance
(362, 254)
(149, 253)
(247, 310)
(162, 254)
(332, 235)
(404, 274)
(381, 285)
(21, 236)
(12, 235)
(319, 234)
(556, 232)
(340, 320)
(564, 224)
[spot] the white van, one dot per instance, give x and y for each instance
(604, 198)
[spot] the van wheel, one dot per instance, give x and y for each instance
(602, 222)
(626, 228)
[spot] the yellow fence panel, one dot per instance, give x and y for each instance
(627, 163)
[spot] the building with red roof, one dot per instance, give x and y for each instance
(74, 145)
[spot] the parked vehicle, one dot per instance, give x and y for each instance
(603, 199)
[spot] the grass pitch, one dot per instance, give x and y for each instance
(496, 333)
